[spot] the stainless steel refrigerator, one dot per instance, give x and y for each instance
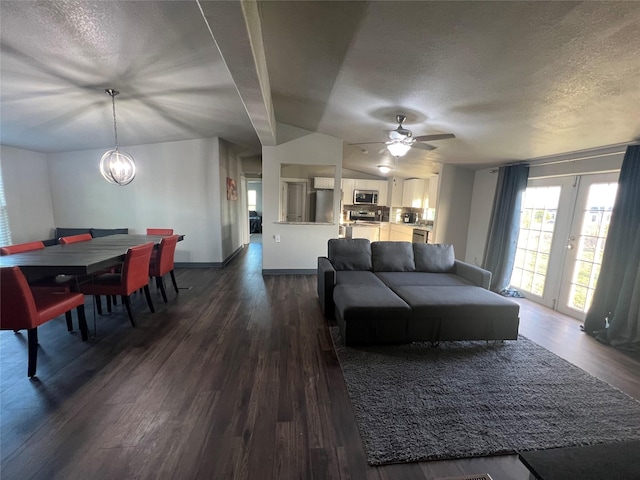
(322, 206)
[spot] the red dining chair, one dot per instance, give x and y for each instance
(21, 247)
(83, 237)
(21, 308)
(162, 263)
(160, 231)
(134, 275)
(61, 284)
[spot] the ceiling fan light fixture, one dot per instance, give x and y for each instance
(117, 167)
(384, 168)
(398, 149)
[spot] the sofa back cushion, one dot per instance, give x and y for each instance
(436, 258)
(350, 253)
(392, 257)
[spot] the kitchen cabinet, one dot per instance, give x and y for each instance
(348, 186)
(362, 184)
(385, 231)
(413, 193)
(394, 199)
(324, 183)
(371, 232)
(383, 188)
(351, 184)
(400, 233)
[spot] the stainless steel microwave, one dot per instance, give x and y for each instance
(365, 197)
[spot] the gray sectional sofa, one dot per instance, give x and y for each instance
(399, 292)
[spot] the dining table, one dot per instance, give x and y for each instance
(82, 258)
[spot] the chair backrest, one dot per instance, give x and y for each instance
(163, 262)
(83, 237)
(135, 270)
(159, 231)
(17, 306)
(21, 247)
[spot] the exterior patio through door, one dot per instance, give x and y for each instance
(563, 229)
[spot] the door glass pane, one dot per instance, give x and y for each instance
(537, 222)
(593, 233)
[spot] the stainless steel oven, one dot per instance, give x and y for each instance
(365, 197)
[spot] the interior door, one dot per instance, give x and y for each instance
(584, 245)
(295, 201)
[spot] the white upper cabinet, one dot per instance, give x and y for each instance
(348, 185)
(351, 184)
(413, 193)
(325, 183)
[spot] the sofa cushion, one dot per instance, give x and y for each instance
(425, 279)
(358, 277)
(468, 302)
(68, 232)
(392, 257)
(350, 253)
(367, 314)
(104, 232)
(433, 258)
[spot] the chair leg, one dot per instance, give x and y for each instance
(114, 299)
(173, 280)
(98, 304)
(160, 285)
(32, 335)
(67, 315)
(147, 294)
(127, 303)
(108, 303)
(82, 323)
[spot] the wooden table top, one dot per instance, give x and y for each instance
(82, 258)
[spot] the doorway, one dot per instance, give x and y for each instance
(294, 201)
(563, 228)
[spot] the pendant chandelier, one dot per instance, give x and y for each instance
(117, 167)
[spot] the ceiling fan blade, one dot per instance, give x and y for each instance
(436, 136)
(366, 143)
(423, 146)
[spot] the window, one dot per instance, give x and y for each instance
(5, 232)
(537, 222)
(253, 200)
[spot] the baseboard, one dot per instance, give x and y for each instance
(289, 271)
(210, 264)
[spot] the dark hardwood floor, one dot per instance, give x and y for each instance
(234, 378)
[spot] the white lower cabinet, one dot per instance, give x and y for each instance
(401, 233)
(372, 232)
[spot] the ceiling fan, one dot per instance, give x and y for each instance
(401, 139)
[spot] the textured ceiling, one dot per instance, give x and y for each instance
(512, 80)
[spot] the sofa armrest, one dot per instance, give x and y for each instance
(477, 275)
(326, 282)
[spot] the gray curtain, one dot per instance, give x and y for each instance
(614, 315)
(502, 239)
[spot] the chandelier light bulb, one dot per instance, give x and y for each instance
(384, 168)
(117, 167)
(398, 149)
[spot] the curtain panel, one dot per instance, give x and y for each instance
(504, 226)
(614, 315)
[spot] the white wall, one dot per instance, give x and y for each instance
(484, 187)
(300, 244)
(178, 185)
(26, 186)
(454, 204)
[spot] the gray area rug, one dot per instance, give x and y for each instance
(465, 399)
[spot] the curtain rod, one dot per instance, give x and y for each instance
(566, 160)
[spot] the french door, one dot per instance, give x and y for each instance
(563, 228)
